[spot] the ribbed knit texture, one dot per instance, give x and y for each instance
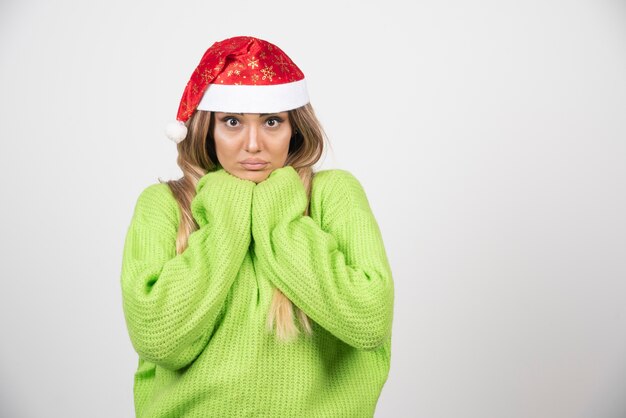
(198, 319)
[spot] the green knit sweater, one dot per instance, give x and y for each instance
(197, 320)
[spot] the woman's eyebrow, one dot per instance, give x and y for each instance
(260, 114)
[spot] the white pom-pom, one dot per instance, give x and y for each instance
(176, 131)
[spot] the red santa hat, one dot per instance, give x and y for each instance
(242, 74)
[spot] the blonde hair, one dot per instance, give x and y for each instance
(197, 156)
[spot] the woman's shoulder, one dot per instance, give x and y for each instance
(331, 186)
(155, 204)
(331, 176)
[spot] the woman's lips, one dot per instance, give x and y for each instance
(254, 166)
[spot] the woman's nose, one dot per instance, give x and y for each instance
(252, 138)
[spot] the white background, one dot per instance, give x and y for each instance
(490, 137)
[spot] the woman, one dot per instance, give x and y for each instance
(252, 287)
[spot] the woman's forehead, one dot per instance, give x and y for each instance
(252, 114)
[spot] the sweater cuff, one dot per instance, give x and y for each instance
(223, 177)
(218, 191)
(280, 197)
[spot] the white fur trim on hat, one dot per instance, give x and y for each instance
(254, 98)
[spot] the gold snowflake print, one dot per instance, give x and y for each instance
(267, 72)
(255, 78)
(186, 109)
(206, 76)
(253, 63)
(217, 52)
(219, 65)
(280, 61)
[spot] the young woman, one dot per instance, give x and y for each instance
(252, 286)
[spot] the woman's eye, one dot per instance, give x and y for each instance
(232, 122)
(274, 122)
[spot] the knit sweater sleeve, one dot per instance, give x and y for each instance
(172, 301)
(339, 275)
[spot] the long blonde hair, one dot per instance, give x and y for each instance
(197, 156)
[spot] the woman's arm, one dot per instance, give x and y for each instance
(171, 302)
(339, 276)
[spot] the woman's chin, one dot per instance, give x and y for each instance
(256, 176)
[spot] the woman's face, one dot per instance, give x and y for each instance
(242, 136)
